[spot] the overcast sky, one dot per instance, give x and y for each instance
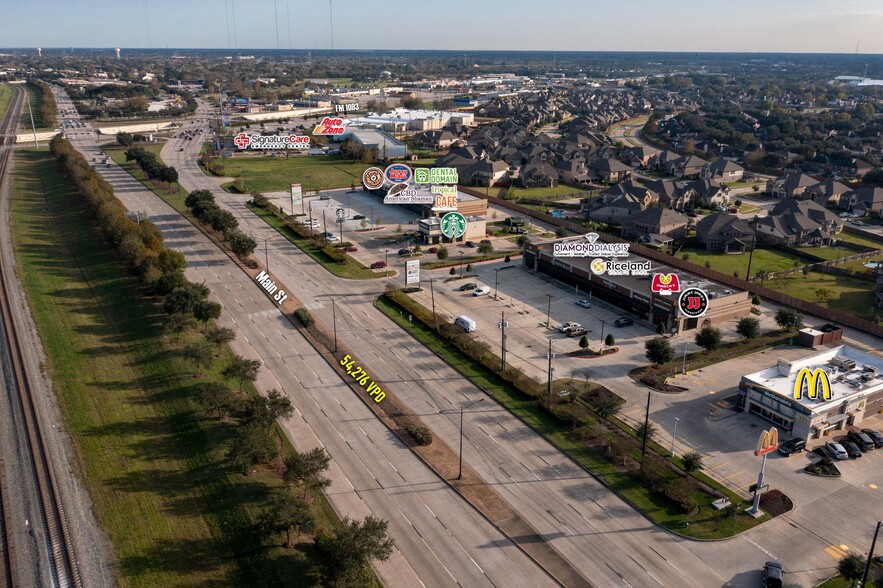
(824, 26)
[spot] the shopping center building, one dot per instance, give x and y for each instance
(633, 293)
(840, 387)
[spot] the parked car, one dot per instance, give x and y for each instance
(311, 223)
(858, 223)
(569, 325)
(468, 286)
(404, 251)
(692, 214)
(851, 449)
(795, 445)
(358, 216)
(470, 244)
(584, 303)
(324, 197)
(575, 332)
(350, 249)
(432, 250)
(623, 321)
(378, 265)
(773, 575)
(485, 242)
(863, 440)
(875, 436)
(481, 291)
(836, 451)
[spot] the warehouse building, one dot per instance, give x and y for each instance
(633, 293)
(839, 388)
(368, 137)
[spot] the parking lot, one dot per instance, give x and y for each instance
(390, 216)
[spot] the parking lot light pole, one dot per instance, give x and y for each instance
(602, 336)
(548, 310)
(334, 321)
(462, 409)
(549, 392)
(870, 556)
(386, 261)
(684, 363)
(674, 436)
(461, 264)
(496, 281)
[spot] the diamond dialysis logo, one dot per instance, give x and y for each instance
(591, 248)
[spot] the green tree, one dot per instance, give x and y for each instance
(215, 396)
(748, 327)
(709, 338)
(453, 271)
(308, 468)
(560, 232)
(823, 294)
(287, 514)
(788, 319)
(125, 139)
(607, 405)
(610, 340)
(484, 248)
(264, 410)
(442, 252)
(660, 328)
(220, 336)
(178, 323)
(253, 445)
(185, 298)
(584, 342)
(852, 566)
(659, 350)
(468, 268)
(241, 244)
(692, 461)
(349, 549)
(762, 276)
(242, 370)
(647, 429)
(755, 300)
(199, 354)
(805, 270)
(205, 311)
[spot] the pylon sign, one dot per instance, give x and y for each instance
(768, 442)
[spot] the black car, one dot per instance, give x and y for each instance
(863, 440)
(358, 216)
(851, 448)
(404, 252)
(623, 322)
(790, 446)
(773, 575)
(468, 286)
(470, 244)
(875, 436)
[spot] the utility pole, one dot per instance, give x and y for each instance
(334, 322)
(549, 392)
(646, 429)
(548, 310)
(324, 228)
(503, 343)
(863, 583)
(31, 112)
(432, 292)
(751, 253)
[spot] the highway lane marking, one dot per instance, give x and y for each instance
(621, 577)
(665, 559)
(835, 552)
(645, 569)
(583, 516)
(760, 548)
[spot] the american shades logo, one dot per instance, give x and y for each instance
(812, 381)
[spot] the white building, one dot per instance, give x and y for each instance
(402, 119)
(854, 378)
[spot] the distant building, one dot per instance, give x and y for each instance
(368, 137)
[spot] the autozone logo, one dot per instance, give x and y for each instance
(812, 381)
(256, 141)
(329, 126)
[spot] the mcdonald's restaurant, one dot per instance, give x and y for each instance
(818, 396)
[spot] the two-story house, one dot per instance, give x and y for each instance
(725, 232)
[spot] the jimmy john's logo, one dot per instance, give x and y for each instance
(665, 284)
(812, 381)
(591, 248)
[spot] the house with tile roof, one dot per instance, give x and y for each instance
(725, 232)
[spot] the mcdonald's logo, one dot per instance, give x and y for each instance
(767, 442)
(813, 380)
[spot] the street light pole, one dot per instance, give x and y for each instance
(503, 342)
(684, 363)
(432, 292)
(496, 281)
(646, 429)
(462, 409)
(461, 264)
(674, 436)
(548, 310)
(870, 556)
(602, 336)
(334, 322)
(549, 392)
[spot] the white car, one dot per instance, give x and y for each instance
(481, 291)
(311, 223)
(584, 303)
(836, 450)
(565, 326)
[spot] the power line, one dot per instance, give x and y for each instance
(331, 12)
(233, 12)
(288, 20)
(147, 23)
(276, 12)
(227, 16)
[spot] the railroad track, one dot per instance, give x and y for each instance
(64, 569)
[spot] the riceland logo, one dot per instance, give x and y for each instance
(591, 248)
(811, 381)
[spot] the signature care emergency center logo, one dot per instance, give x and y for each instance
(256, 141)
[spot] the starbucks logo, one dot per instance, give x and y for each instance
(453, 225)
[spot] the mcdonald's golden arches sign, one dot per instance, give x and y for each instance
(767, 442)
(812, 381)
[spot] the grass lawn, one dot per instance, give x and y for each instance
(827, 253)
(274, 174)
(705, 523)
(850, 295)
(154, 462)
(174, 196)
(764, 259)
(35, 95)
(5, 98)
(844, 236)
(559, 190)
(859, 266)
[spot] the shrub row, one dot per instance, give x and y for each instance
(48, 108)
(203, 206)
(152, 166)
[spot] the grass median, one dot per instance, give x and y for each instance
(704, 523)
(154, 462)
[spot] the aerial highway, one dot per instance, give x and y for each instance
(440, 539)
